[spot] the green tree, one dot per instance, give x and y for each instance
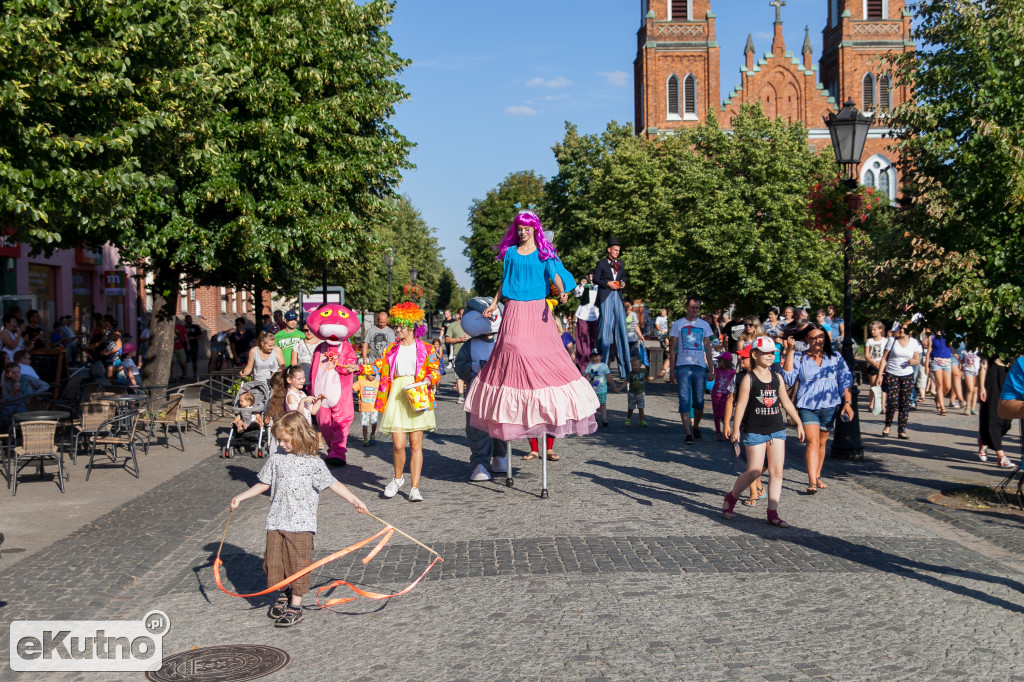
(446, 290)
(489, 218)
(960, 148)
(722, 215)
(206, 141)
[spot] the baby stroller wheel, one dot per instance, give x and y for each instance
(259, 454)
(227, 453)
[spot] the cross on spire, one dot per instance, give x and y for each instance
(778, 5)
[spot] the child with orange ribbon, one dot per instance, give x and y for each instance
(295, 480)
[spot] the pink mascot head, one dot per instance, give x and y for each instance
(545, 249)
(333, 323)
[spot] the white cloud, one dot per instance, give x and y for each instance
(616, 79)
(763, 35)
(554, 83)
(520, 111)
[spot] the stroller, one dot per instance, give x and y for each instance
(250, 440)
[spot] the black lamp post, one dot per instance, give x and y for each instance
(389, 260)
(413, 274)
(849, 130)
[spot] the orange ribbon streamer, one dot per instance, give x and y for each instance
(387, 532)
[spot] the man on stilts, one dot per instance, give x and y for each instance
(610, 278)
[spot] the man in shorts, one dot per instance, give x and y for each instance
(690, 342)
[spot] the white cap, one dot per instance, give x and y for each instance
(765, 344)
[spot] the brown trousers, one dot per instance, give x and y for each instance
(287, 554)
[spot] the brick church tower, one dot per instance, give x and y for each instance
(676, 69)
(677, 79)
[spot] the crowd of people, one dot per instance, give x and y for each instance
(525, 375)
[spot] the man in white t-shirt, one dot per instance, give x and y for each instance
(690, 342)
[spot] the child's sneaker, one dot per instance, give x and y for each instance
(689, 439)
(366, 443)
(414, 495)
(643, 422)
(628, 421)
(373, 441)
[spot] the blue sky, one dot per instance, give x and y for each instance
(492, 84)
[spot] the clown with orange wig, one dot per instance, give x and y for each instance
(409, 373)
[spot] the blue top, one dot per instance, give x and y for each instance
(940, 349)
(528, 278)
(1013, 387)
(820, 387)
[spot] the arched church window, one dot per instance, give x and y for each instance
(868, 96)
(884, 93)
(673, 98)
(690, 96)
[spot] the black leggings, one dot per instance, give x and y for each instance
(897, 394)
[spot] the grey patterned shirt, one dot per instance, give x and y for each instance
(296, 482)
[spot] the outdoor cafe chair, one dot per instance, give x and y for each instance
(92, 415)
(192, 403)
(116, 432)
(38, 445)
(166, 414)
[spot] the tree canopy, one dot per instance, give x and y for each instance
(961, 152)
(489, 218)
(721, 215)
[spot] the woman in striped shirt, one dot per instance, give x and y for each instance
(825, 382)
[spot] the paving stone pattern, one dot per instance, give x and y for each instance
(628, 571)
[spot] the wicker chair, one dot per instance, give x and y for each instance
(192, 405)
(166, 414)
(37, 444)
(93, 415)
(116, 432)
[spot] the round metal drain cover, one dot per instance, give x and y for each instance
(234, 662)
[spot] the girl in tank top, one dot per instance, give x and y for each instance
(761, 398)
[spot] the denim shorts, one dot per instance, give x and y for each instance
(825, 417)
(691, 381)
(761, 438)
(943, 364)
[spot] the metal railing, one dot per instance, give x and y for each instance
(220, 392)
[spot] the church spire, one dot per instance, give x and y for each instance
(808, 50)
(778, 44)
(749, 49)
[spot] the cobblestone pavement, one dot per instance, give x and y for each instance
(628, 570)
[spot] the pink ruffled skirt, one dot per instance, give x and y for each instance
(530, 387)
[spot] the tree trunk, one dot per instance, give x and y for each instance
(257, 298)
(166, 283)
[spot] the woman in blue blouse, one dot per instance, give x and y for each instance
(530, 387)
(825, 383)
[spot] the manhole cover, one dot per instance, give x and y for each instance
(234, 662)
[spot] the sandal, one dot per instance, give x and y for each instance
(773, 518)
(552, 457)
(811, 489)
(752, 502)
(730, 505)
(903, 435)
(885, 432)
(818, 484)
(291, 616)
(279, 607)
(532, 455)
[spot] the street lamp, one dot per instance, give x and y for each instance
(413, 274)
(849, 130)
(389, 260)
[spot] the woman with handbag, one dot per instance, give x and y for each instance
(409, 373)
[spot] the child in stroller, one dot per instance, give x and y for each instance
(247, 428)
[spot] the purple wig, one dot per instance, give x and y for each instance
(546, 250)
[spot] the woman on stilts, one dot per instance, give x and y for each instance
(530, 387)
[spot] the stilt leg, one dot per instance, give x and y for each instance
(508, 458)
(544, 475)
